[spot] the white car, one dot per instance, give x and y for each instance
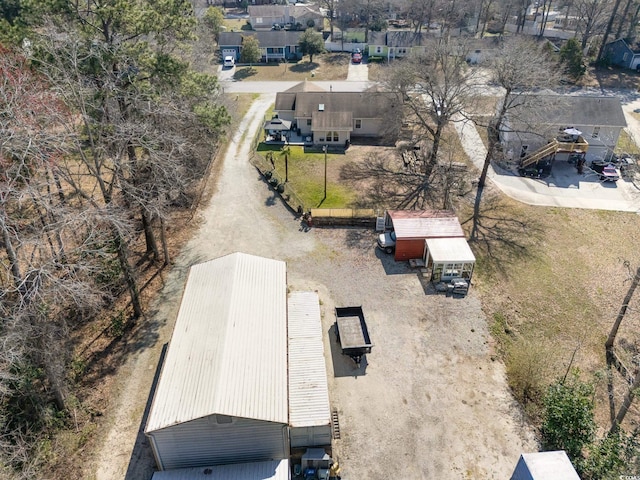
(228, 61)
(387, 241)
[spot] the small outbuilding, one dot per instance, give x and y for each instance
(449, 258)
(222, 393)
(309, 413)
(413, 227)
(544, 466)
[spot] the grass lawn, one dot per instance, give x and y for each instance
(306, 176)
(626, 144)
(236, 24)
(328, 66)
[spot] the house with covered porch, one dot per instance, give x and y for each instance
(275, 46)
(337, 118)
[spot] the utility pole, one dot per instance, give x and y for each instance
(324, 149)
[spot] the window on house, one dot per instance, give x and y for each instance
(336, 137)
(625, 57)
(378, 49)
(523, 151)
(596, 132)
(358, 123)
(308, 122)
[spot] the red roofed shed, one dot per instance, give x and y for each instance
(413, 227)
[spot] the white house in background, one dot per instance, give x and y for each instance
(599, 119)
(222, 394)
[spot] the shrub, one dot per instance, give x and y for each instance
(569, 422)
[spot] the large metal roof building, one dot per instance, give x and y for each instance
(222, 393)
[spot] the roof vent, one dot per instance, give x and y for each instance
(321, 107)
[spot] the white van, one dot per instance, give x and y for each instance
(228, 61)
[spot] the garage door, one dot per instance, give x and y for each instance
(228, 51)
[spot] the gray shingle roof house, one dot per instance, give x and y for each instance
(275, 45)
(333, 118)
(600, 119)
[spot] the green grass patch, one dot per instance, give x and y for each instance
(236, 24)
(306, 175)
(626, 144)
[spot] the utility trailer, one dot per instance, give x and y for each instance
(352, 333)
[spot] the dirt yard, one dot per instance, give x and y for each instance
(429, 402)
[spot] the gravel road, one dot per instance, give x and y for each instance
(428, 402)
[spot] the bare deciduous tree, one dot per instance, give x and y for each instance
(516, 79)
(591, 18)
(436, 86)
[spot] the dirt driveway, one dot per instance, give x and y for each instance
(428, 403)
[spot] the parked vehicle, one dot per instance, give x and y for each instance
(606, 171)
(387, 241)
(356, 58)
(352, 333)
(228, 61)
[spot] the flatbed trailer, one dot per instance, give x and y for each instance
(352, 332)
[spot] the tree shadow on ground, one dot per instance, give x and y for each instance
(243, 73)
(617, 78)
(384, 180)
(503, 236)
(304, 67)
(359, 239)
(336, 58)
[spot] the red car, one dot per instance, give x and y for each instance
(356, 58)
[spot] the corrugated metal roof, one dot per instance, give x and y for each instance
(546, 466)
(228, 352)
(308, 390)
(425, 224)
(450, 250)
(272, 470)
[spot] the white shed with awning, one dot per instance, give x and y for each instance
(449, 258)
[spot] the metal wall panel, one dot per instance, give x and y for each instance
(407, 249)
(310, 436)
(204, 442)
(274, 470)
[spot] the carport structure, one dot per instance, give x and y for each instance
(413, 227)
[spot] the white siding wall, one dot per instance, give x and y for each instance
(203, 442)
